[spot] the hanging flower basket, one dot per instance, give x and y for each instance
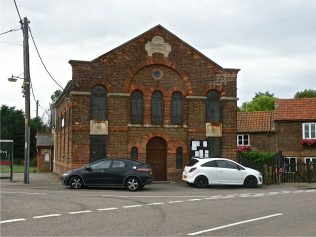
(308, 142)
(243, 148)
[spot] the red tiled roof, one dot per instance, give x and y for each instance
(260, 121)
(295, 109)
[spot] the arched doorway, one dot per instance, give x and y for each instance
(156, 157)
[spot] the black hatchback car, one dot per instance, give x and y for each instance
(131, 174)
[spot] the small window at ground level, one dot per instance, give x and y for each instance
(134, 153)
(290, 164)
(243, 140)
(179, 158)
(310, 160)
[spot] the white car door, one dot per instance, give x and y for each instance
(210, 170)
(228, 172)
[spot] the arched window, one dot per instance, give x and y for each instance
(134, 153)
(213, 107)
(98, 103)
(157, 108)
(179, 158)
(176, 108)
(137, 107)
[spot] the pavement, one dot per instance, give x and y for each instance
(52, 181)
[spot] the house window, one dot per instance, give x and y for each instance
(176, 108)
(157, 108)
(243, 140)
(310, 160)
(134, 153)
(179, 158)
(213, 107)
(98, 103)
(137, 107)
(290, 164)
(309, 130)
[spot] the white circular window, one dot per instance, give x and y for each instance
(157, 74)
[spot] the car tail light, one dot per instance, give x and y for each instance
(144, 170)
(192, 169)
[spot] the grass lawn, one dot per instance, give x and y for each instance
(16, 169)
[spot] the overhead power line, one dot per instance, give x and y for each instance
(42, 60)
(17, 9)
(15, 29)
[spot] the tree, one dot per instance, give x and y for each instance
(12, 128)
(307, 93)
(56, 95)
(260, 102)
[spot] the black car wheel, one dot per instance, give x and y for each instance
(133, 184)
(251, 182)
(76, 182)
(201, 182)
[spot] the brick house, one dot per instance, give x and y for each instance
(155, 99)
(291, 128)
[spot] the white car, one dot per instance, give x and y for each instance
(212, 171)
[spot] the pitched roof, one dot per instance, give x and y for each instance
(157, 27)
(295, 109)
(259, 121)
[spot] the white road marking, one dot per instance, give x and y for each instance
(236, 223)
(132, 206)
(259, 195)
(24, 193)
(191, 196)
(46, 216)
(12, 220)
(155, 203)
(309, 191)
(107, 209)
(177, 201)
(298, 191)
(194, 199)
(285, 192)
(272, 193)
(79, 212)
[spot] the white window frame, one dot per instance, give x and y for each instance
(289, 165)
(243, 139)
(309, 131)
(311, 159)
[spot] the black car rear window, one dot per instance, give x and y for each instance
(192, 162)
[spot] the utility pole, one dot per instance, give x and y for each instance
(37, 108)
(26, 86)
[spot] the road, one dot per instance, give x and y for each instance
(158, 210)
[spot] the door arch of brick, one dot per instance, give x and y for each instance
(156, 157)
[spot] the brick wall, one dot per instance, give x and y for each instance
(127, 68)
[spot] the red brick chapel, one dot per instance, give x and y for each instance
(155, 99)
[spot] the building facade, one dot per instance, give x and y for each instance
(290, 128)
(155, 99)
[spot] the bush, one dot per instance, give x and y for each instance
(256, 159)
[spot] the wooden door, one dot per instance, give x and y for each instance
(156, 157)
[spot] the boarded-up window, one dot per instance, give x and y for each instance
(213, 107)
(157, 108)
(214, 144)
(98, 103)
(137, 107)
(134, 153)
(97, 147)
(179, 158)
(176, 108)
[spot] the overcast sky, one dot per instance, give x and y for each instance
(273, 42)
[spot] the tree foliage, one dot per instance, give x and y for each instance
(260, 102)
(307, 93)
(56, 95)
(13, 128)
